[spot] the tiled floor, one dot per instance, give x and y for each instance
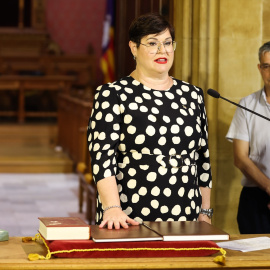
(25, 197)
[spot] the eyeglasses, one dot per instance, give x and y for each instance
(265, 67)
(153, 47)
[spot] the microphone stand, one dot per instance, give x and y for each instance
(238, 105)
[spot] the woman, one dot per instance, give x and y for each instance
(147, 138)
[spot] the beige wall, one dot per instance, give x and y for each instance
(217, 45)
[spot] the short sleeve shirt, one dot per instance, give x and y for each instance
(254, 129)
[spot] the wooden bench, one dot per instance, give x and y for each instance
(22, 84)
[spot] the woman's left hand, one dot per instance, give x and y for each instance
(205, 218)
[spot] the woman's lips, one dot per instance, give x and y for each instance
(161, 60)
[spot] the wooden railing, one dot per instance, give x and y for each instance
(73, 116)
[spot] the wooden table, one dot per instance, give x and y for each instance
(13, 255)
(26, 83)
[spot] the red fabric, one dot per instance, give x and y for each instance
(58, 245)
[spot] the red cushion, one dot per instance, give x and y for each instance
(90, 249)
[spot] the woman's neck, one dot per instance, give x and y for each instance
(162, 82)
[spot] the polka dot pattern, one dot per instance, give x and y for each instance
(132, 132)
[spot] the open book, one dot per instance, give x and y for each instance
(162, 231)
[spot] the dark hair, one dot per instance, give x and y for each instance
(151, 23)
(263, 49)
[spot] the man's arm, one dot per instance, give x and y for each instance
(248, 167)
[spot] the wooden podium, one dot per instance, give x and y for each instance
(13, 255)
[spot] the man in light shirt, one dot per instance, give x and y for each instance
(250, 135)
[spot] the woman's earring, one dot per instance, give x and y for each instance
(134, 57)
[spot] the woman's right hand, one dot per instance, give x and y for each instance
(116, 218)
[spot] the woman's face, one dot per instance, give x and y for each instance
(152, 56)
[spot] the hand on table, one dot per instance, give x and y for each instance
(116, 218)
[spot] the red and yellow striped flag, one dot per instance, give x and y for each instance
(107, 58)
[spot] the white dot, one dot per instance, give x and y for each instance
(127, 119)
(96, 147)
(172, 180)
(152, 118)
(181, 191)
(175, 129)
(116, 109)
(107, 173)
(183, 101)
(188, 131)
(139, 99)
(166, 119)
(144, 167)
(106, 164)
(135, 82)
(185, 88)
(140, 139)
(180, 121)
(133, 106)
(188, 210)
(162, 170)
(162, 141)
(194, 95)
(123, 198)
(95, 169)
(106, 93)
(124, 82)
(128, 90)
(135, 198)
(102, 136)
(167, 192)
(191, 194)
(116, 127)
(204, 177)
(109, 117)
(132, 183)
(105, 105)
(176, 210)
(99, 115)
(131, 172)
(123, 97)
(154, 204)
(146, 96)
(169, 95)
(142, 191)
(158, 102)
(191, 144)
(143, 109)
(176, 140)
(162, 130)
(131, 129)
(164, 209)
(206, 166)
(155, 110)
(155, 191)
(114, 136)
(145, 211)
(151, 177)
(157, 93)
(184, 179)
(150, 130)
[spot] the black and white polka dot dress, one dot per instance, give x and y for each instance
(155, 143)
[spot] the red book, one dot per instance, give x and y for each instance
(63, 228)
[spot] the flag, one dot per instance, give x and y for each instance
(107, 58)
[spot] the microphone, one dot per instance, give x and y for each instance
(215, 94)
